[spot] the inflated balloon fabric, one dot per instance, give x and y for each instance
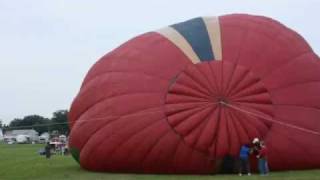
(183, 98)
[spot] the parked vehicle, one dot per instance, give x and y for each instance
(44, 138)
(21, 139)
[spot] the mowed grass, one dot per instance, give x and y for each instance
(22, 162)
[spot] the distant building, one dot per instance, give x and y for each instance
(31, 134)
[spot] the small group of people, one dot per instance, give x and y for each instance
(259, 150)
(57, 148)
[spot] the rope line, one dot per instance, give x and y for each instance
(137, 114)
(84, 120)
(270, 119)
(31, 126)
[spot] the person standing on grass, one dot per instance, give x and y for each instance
(262, 156)
(256, 146)
(62, 149)
(48, 150)
(244, 160)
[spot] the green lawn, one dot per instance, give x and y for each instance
(23, 162)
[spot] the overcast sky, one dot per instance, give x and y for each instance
(47, 46)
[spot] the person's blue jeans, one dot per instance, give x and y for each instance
(244, 165)
(267, 167)
(262, 166)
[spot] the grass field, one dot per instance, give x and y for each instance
(23, 162)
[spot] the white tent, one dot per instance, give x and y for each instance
(1, 135)
(22, 138)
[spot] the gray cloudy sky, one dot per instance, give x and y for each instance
(47, 46)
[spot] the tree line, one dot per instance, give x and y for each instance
(58, 122)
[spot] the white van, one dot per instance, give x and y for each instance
(22, 139)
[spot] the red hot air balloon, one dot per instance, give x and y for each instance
(183, 98)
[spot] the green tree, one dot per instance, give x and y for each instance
(35, 122)
(60, 121)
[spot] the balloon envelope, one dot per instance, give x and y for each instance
(183, 99)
